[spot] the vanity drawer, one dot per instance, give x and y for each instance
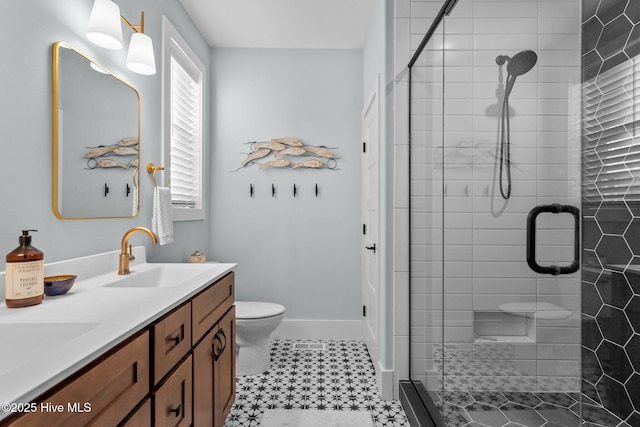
(171, 340)
(112, 387)
(172, 402)
(210, 305)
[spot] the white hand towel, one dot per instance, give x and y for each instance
(162, 218)
(134, 200)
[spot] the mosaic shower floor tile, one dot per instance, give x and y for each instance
(317, 375)
(522, 409)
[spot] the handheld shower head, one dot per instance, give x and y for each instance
(522, 62)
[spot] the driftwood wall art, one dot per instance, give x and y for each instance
(289, 153)
(100, 156)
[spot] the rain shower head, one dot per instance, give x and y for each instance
(520, 63)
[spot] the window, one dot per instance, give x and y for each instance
(183, 76)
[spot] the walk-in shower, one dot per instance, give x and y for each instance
(524, 212)
(521, 63)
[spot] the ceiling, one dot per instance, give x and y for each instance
(330, 24)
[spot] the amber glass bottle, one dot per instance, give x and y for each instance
(24, 279)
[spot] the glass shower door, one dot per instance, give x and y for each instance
(511, 108)
(510, 193)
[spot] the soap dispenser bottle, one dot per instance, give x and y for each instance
(24, 277)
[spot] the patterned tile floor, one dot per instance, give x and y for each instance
(340, 377)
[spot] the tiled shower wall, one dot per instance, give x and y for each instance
(611, 209)
(484, 239)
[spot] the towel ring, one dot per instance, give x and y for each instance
(152, 169)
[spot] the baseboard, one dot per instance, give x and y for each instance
(307, 329)
(385, 382)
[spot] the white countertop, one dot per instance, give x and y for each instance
(43, 344)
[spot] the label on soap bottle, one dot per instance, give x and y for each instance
(24, 279)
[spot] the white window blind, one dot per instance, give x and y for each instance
(183, 124)
(612, 148)
(185, 137)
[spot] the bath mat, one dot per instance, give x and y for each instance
(315, 418)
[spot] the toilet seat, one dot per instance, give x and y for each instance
(257, 310)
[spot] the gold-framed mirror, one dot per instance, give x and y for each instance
(96, 135)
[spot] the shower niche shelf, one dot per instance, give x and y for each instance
(500, 327)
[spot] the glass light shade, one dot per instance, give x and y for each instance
(140, 58)
(105, 28)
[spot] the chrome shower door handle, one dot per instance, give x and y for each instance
(531, 239)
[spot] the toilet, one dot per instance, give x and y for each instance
(255, 321)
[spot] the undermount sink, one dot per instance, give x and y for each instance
(160, 275)
(24, 339)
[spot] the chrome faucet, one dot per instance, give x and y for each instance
(126, 255)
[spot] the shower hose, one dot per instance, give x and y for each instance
(505, 141)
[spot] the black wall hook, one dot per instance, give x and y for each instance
(317, 191)
(106, 189)
(128, 190)
(295, 190)
(273, 190)
(250, 190)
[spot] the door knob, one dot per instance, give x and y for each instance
(371, 248)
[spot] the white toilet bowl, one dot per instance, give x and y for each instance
(254, 323)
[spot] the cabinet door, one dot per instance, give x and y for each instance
(224, 369)
(203, 380)
(173, 399)
(214, 373)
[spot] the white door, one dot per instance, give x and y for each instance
(370, 232)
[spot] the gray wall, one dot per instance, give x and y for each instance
(302, 252)
(30, 28)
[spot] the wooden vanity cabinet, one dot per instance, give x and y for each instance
(178, 372)
(207, 385)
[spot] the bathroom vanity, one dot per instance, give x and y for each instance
(80, 363)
